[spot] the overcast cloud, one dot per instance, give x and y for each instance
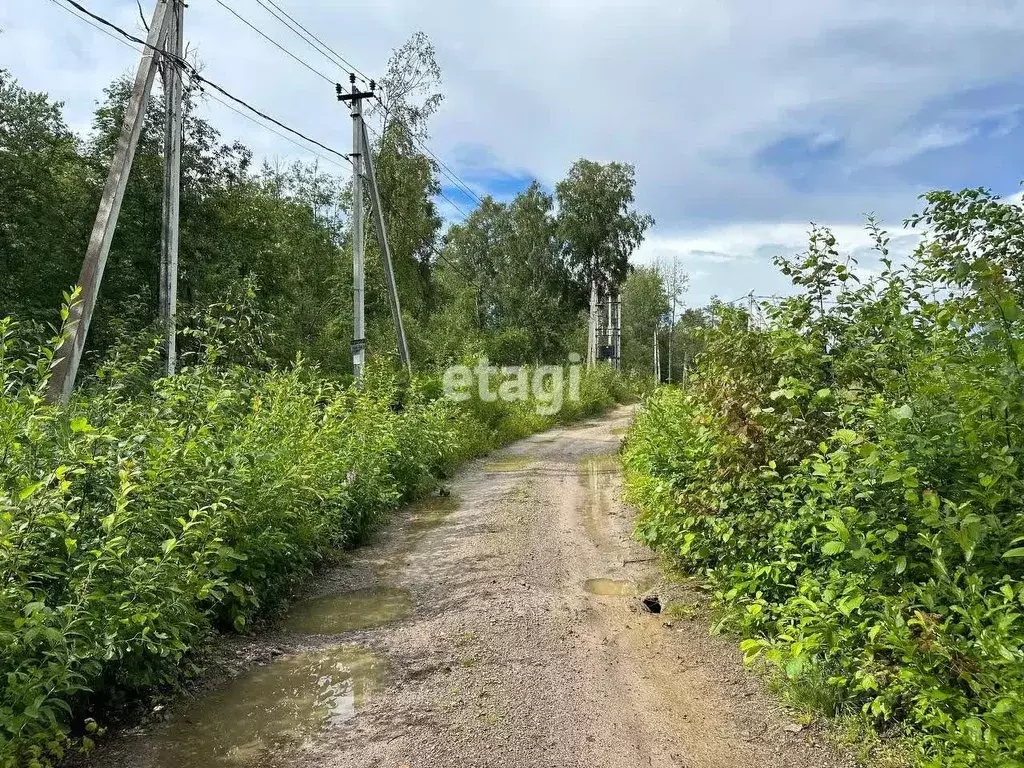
(745, 120)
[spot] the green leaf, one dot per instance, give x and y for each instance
(29, 490)
(1004, 706)
(1013, 553)
(846, 436)
(80, 424)
(902, 413)
(833, 547)
(848, 605)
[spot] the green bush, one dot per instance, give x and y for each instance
(150, 513)
(849, 480)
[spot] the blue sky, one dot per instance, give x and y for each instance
(745, 121)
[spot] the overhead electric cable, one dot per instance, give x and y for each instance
(194, 74)
(272, 41)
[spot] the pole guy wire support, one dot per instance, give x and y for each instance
(68, 355)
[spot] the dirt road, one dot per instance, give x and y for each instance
(472, 632)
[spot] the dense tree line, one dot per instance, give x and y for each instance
(511, 281)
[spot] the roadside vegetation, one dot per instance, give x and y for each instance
(153, 512)
(848, 480)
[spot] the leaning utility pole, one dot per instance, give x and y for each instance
(68, 356)
(174, 50)
(363, 170)
(385, 251)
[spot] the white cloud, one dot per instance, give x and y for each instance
(907, 147)
(687, 91)
(734, 260)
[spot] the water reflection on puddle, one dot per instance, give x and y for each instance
(511, 464)
(360, 609)
(432, 512)
(598, 474)
(269, 708)
(611, 587)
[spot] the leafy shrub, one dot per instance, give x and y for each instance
(150, 513)
(849, 480)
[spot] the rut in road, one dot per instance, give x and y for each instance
(474, 632)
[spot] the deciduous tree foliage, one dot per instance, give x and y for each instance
(645, 307)
(597, 222)
(516, 292)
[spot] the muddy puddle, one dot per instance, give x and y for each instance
(431, 512)
(597, 474)
(282, 705)
(510, 464)
(611, 587)
(346, 611)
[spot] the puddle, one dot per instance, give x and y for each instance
(610, 587)
(432, 512)
(511, 464)
(281, 705)
(597, 475)
(607, 463)
(359, 609)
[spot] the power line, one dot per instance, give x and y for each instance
(447, 171)
(455, 267)
(293, 25)
(454, 177)
(321, 47)
(451, 202)
(198, 78)
(284, 136)
(272, 41)
(309, 37)
(96, 26)
(193, 73)
(276, 122)
(453, 205)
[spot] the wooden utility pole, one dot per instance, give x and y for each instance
(364, 171)
(69, 355)
(174, 48)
